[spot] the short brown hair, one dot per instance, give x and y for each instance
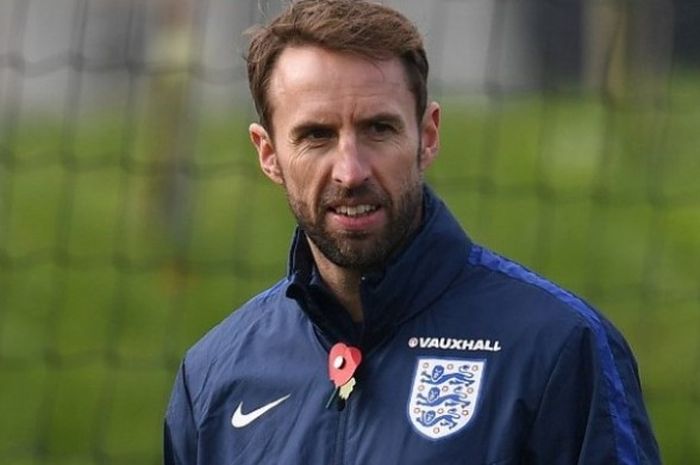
(353, 26)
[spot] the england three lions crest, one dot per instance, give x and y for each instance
(444, 395)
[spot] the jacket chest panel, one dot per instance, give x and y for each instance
(271, 411)
(435, 405)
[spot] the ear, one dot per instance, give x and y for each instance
(267, 156)
(430, 135)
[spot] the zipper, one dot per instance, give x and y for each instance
(338, 458)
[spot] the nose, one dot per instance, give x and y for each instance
(350, 167)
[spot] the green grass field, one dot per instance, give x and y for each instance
(99, 299)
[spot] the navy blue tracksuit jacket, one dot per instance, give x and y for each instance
(469, 359)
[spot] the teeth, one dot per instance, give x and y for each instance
(356, 210)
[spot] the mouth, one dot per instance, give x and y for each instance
(358, 218)
(354, 211)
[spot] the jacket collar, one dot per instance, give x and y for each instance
(410, 282)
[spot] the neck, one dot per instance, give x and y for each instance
(344, 283)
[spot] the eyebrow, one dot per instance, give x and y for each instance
(302, 128)
(386, 117)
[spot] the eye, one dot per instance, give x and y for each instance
(312, 136)
(380, 130)
(317, 134)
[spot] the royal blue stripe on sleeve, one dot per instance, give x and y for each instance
(625, 440)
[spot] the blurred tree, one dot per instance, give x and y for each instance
(170, 112)
(628, 48)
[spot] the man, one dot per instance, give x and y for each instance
(393, 339)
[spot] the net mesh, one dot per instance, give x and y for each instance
(133, 216)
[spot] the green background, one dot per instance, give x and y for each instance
(100, 294)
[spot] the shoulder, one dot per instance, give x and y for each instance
(534, 304)
(259, 308)
(268, 311)
(550, 322)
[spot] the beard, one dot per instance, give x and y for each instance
(359, 251)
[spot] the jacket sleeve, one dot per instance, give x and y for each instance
(180, 431)
(592, 411)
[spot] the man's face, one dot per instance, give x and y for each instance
(348, 150)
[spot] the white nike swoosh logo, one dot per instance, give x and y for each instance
(240, 419)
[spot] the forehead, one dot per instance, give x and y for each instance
(312, 81)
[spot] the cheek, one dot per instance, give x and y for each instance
(304, 181)
(401, 168)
